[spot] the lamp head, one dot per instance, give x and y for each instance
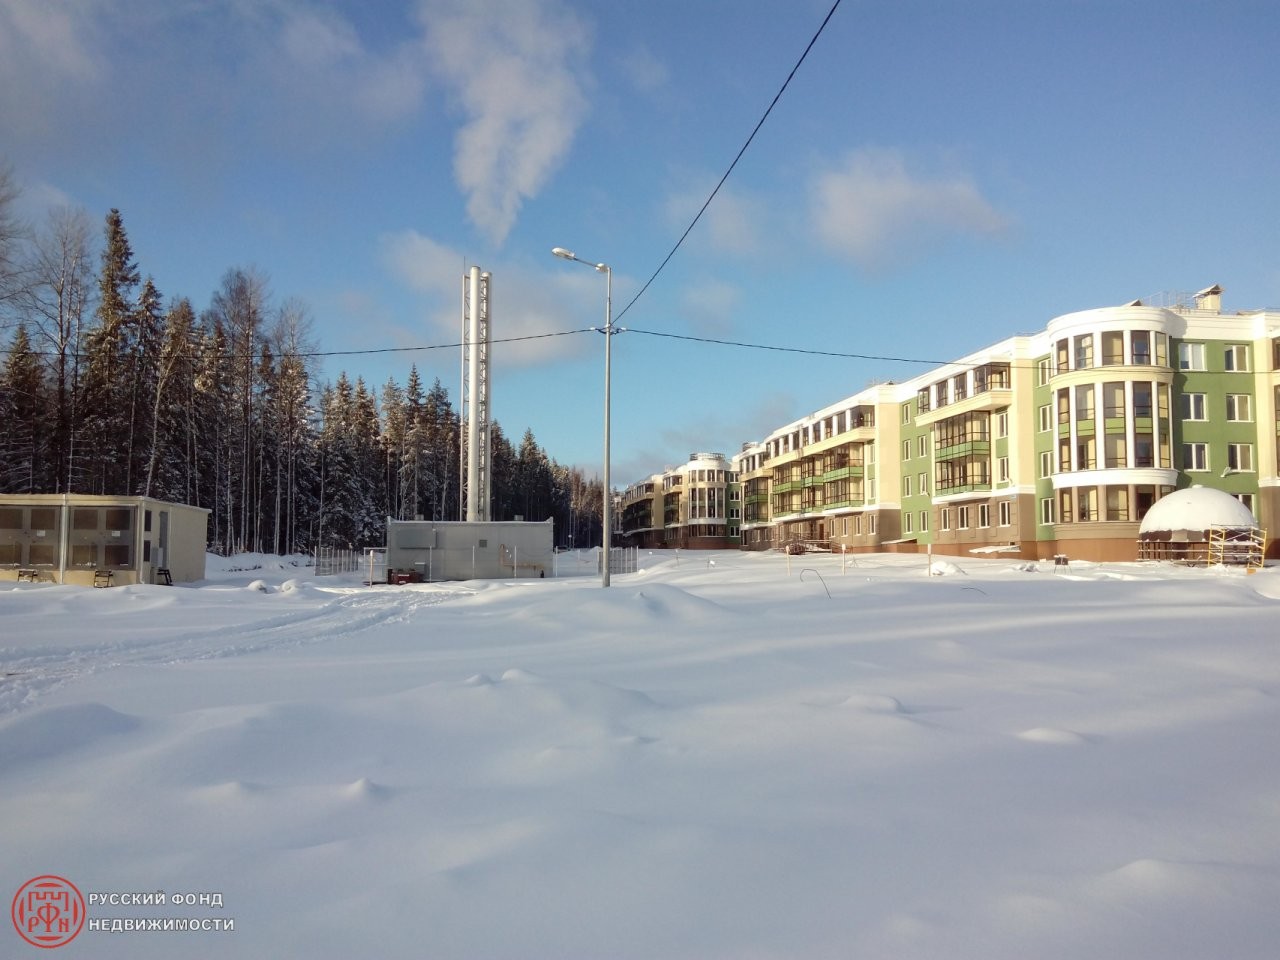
(563, 254)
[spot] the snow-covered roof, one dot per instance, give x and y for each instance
(1197, 508)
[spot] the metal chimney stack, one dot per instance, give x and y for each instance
(476, 450)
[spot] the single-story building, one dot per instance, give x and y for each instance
(469, 550)
(101, 540)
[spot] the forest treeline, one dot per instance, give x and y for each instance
(108, 387)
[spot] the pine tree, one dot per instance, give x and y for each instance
(22, 418)
(105, 394)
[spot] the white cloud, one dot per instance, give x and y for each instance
(875, 212)
(45, 41)
(523, 304)
(511, 66)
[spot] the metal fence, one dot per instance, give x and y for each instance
(371, 562)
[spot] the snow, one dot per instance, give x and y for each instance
(1197, 508)
(751, 759)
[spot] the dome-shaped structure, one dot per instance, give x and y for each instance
(1200, 524)
(1195, 510)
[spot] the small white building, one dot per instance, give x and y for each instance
(458, 550)
(101, 540)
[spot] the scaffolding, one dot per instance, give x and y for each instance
(1237, 547)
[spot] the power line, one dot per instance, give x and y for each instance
(759, 124)
(804, 350)
(327, 353)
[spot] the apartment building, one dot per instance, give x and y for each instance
(1057, 442)
(696, 505)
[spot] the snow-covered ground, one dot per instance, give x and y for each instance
(726, 756)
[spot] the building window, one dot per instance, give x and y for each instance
(1191, 356)
(1087, 504)
(1002, 424)
(962, 517)
(1046, 511)
(984, 515)
(1114, 450)
(1246, 499)
(906, 412)
(944, 519)
(1006, 513)
(857, 524)
(1238, 407)
(1046, 464)
(906, 449)
(906, 521)
(922, 484)
(922, 445)
(1043, 371)
(1193, 406)
(1112, 348)
(1045, 414)
(1002, 470)
(1240, 457)
(871, 524)
(1140, 347)
(1117, 503)
(1084, 351)
(1236, 358)
(906, 486)
(924, 521)
(1084, 402)
(1195, 456)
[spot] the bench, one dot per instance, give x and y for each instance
(102, 578)
(1059, 560)
(28, 576)
(164, 576)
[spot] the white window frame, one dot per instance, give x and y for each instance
(1238, 403)
(944, 518)
(1045, 418)
(924, 521)
(1235, 358)
(1193, 406)
(922, 445)
(963, 517)
(922, 484)
(906, 522)
(1190, 356)
(1048, 511)
(1240, 457)
(1002, 424)
(1046, 464)
(906, 450)
(906, 485)
(1043, 371)
(1006, 513)
(1002, 469)
(984, 516)
(1195, 457)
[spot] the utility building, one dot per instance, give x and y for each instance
(100, 540)
(450, 550)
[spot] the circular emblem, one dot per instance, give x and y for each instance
(48, 911)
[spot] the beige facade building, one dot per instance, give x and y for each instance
(101, 540)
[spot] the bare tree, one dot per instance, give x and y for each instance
(12, 234)
(56, 303)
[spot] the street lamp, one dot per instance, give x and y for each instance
(607, 497)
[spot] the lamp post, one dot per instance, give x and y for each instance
(607, 497)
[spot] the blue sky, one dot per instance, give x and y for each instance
(938, 176)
